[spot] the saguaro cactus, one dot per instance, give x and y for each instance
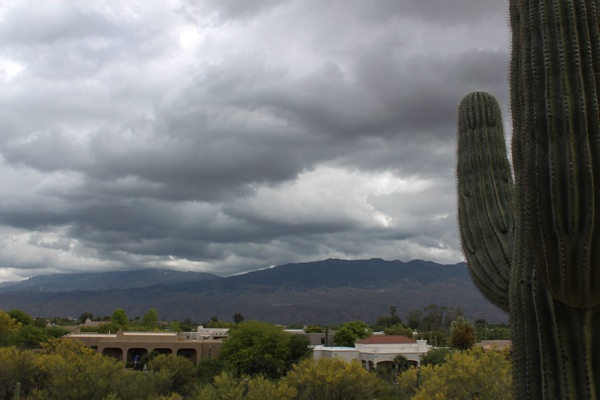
(17, 394)
(533, 247)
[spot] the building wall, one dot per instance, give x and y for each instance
(345, 353)
(125, 345)
(373, 354)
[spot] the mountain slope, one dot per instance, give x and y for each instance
(327, 292)
(105, 280)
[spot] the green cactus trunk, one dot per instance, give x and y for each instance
(534, 248)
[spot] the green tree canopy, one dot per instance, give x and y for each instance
(350, 332)
(462, 334)
(300, 349)
(257, 348)
(389, 320)
(413, 319)
(84, 316)
(399, 329)
(436, 356)
(120, 318)
(150, 318)
(20, 316)
(238, 317)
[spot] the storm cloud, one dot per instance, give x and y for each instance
(227, 136)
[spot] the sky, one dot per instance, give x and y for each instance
(226, 136)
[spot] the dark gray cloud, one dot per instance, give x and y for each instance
(230, 135)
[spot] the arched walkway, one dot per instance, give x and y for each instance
(190, 354)
(113, 352)
(133, 354)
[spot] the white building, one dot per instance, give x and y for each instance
(345, 353)
(206, 334)
(377, 349)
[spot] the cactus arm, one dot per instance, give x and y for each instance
(485, 191)
(554, 285)
(17, 391)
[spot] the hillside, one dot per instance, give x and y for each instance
(327, 292)
(105, 280)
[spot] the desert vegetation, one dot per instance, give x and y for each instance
(259, 360)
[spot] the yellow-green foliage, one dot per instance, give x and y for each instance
(67, 370)
(19, 366)
(228, 387)
(408, 379)
(472, 374)
(332, 379)
(173, 374)
(8, 327)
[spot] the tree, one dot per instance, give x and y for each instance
(238, 317)
(76, 372)
(8, 327)
(20, 366)
(314, 329)
(31, 337)
(150, 318)
(436, 356)
(20, 316)
(300, 349)
(350, 332)
(472, 374)
(173, 374)
(207, 370)
(413, 319)
(390, 320)
(84, 316)
(492, 332)
(120, 318)
(187, 325)
(434, 337)
(215, 322)
(106, 327)
(257, 348)
(399, 329)
(462, 334)
(228, 387)
(332, 379)
(401, 363)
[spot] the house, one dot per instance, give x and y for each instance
(377, 349)
(203, 333)
(125, 346)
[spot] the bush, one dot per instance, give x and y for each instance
(332, 379)
(471, 374)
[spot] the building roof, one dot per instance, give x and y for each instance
(386, 339)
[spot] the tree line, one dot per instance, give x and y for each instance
(258, 360)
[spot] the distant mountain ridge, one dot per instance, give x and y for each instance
(105, 280)
(327, 292)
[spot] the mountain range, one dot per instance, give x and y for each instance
(332, 291)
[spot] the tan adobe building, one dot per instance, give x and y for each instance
(125, 346)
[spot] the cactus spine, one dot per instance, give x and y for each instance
(534, 247)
